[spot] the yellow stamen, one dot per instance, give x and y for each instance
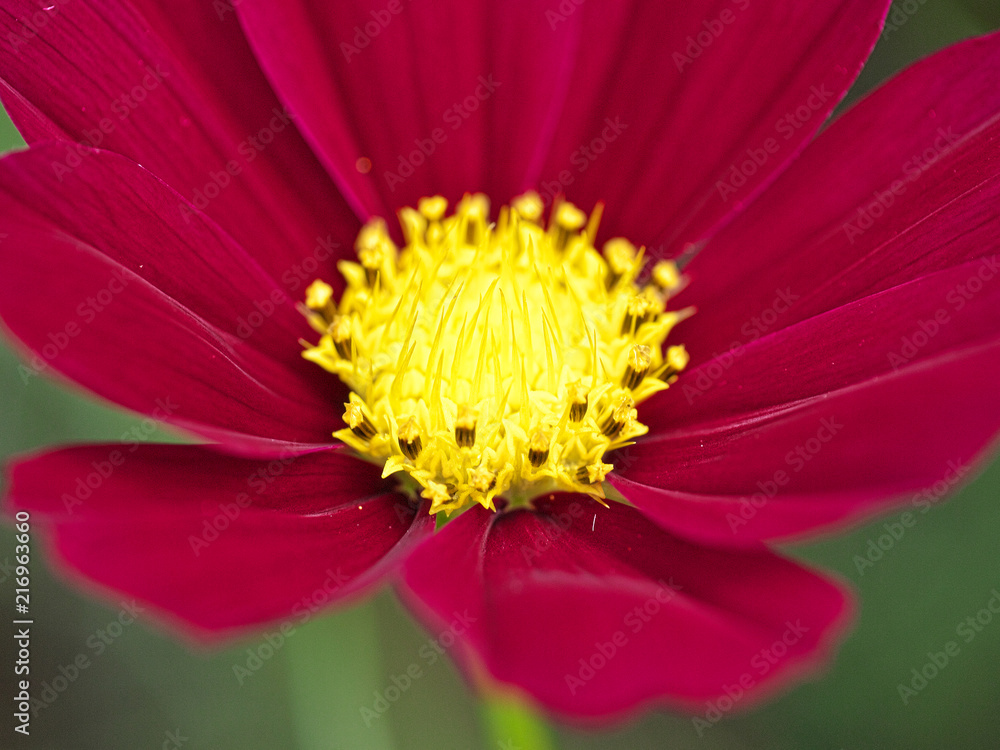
(354, 415)
(676, 360)
(494, 359)
(318, 295)
(438, 494)
(594, 473)
(666, 276)
(639, 359)
(529, 207)
(578, 396)
(621, 257)
(340, 334)
(409, 439)
(465, 427)
(538, 448)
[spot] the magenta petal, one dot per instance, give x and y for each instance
(676, 96)
(107, 279)
(904, 184)
(943, 312)
(464, 94)
(175, 88)
(31, 120)
(596, 611)
(831, 459)
(216, 542)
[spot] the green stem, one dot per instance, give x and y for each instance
(512, 724)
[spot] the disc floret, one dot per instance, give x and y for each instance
(495, 359)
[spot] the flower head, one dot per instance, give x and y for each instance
(683, 329)
(494, 360)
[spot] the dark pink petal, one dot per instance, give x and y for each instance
(942, 312)
(675, 96)
(106, 282)
(216, 542)
(602, 71)
(596, 611)
(443, 97)
(30, 119)
(174, 87)
(904, 184)
(828, 459)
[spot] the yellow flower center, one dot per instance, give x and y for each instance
(495, 360)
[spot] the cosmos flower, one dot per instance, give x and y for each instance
(780, 335)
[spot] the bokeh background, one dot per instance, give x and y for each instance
(144, 689)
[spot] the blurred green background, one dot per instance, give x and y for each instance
(149, 691)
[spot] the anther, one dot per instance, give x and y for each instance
(666, 276)
(639, 359)
(414, 226)
(438, 494)
(482, 479)
(637, 311)
(593, 473)
(620, 255)
(676, 360)
(465, 427)
(319, 296)
(372, 234)
(433, 208)
(538, 448)
(358, 421)
(578, 396)
(623, 413)
(529, 207)
(372, 259)
(567, 219)
(477, 211)
(409, 439)
(340, 332)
